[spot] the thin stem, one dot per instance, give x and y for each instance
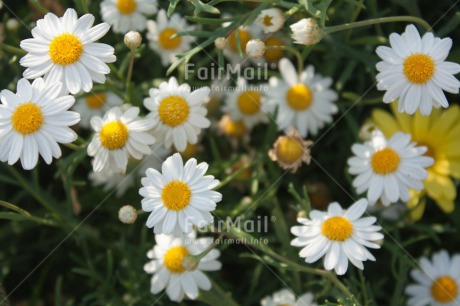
(347, 26)
(234, 175)
(31, 190)
(130, 68)
(12, 49)
(84, 6)
(293, 50)
(26, 214)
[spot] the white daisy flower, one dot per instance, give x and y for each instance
(339, 234)
(127, 15)
(245, 34)
(64, 50)
(95, 104)
(160, 32)
(179, 197)
(286, 297)
(110, 180)
(415, 72)
(170, 270)
(33, 121)
(244, 103)
(305, 103)
(387, 169)
(271, 20)
(437, 282)
(119, 135)
(178, 113)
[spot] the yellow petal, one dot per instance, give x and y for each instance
(440, 186)
(420, 127)
(446, 205)
(444, 124)
(416, 205)
(385, 122)
(405, 121)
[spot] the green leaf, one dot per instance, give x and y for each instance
(202, 7)
(172, 7)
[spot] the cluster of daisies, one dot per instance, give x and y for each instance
(402, 159)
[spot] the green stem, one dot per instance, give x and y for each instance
(84, 6)
(347, 26)
(73, 146)
(31, 190)
(234, 175)
(12, 49)
(26, 214)
(293, 50)
(130, 72)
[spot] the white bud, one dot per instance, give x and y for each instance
(12, 24)
(306, 32)
(220, 43)
(255, 48)
(127, 214)
(133, 39)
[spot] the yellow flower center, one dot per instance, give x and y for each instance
(166, 41)
(385, 161)
(176, 195)
(444, 289)
(65, 49)
(288, 150)
(173, 110)
(174, 259)
(235, 129)
(27, 118)
(268, 20)
(299, 97)
(419, 68)
(95, 101)
(273, 55)
(249, 102)
(114, 135)
(126, 7)
(337, 228)
(244, 36)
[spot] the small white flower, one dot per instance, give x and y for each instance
(160, 32)
(415, 72)
(255, 48)
(168, 267)
(271, 20)
(437, 281)
(119, 135)
(132, 39)
(244, 103)
(110, 179)
(179, 197)
(33, 121)
(127, 15)
(339, 234)
(306, 32)
(387, 169)
(286, 297)
(95, 105)
(64, 50)
(305, 103)
(178, 113)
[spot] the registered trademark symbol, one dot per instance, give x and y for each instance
(273, 218)
(273, 66)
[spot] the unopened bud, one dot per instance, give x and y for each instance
(220, 43)
(127, 214)
(12, 24)
(133, 39)
(255, 48)
(306, 32)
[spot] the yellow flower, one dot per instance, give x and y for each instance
(440, 132)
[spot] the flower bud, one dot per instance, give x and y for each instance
(306, 32)
(133, 40)
(220, 43)
(127, 214)
(12, 24)
(255, 48)
(271, 20)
